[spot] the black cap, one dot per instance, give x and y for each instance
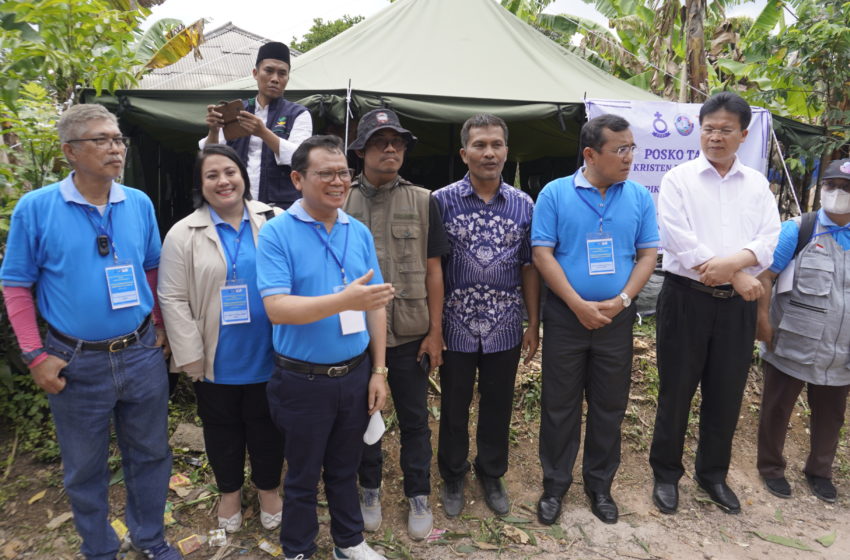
(838, 169)
(275, 50)
(375, 120)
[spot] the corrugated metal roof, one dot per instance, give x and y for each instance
(229, 53)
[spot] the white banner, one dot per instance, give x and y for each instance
(667, 134)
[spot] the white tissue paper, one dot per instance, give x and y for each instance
(375, 429)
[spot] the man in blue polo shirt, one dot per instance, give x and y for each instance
(318, 273)
(594, 239)
(91, 249)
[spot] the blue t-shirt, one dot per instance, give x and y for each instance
(294, 257)
(784, 251)
(244, 352)
(52, 243)
(569, 208)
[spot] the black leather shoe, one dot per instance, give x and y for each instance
(548, 509)
(452, 495)
(822, 488)
(778, 486)
(665, 496)
(495, 495)
(603, 506)
(721, 494)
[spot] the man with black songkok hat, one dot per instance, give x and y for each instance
(410, 240)
(276, 126)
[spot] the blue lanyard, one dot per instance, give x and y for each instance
(833, 230)
(592, 207)
(98, 225)
(339, 262)
(230, 255)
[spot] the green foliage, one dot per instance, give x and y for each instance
(322, 31)
(78, 43)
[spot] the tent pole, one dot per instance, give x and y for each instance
(787, 173)
(347, 112)
(451, 153)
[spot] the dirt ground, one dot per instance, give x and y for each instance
(699, 530)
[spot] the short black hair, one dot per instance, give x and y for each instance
(301, 157)
(208, 150)
(728, 101)
(482, 120)
(592, 133)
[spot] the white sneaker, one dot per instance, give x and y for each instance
(360, 552)
(420, 520)
(370, 508)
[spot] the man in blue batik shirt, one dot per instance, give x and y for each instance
(487, 276)
(595, 243)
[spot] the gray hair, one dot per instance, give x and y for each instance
(482, 120)
(73, 121)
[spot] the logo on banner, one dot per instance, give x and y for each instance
(659, 127)
(684, 125)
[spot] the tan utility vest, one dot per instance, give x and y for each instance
(397, 216)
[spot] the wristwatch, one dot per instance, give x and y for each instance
(380, 370)
(627, 301)
(29, 357)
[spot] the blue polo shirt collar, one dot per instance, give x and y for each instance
(467, 190)
(581, 181)
(216, 219)
(298, 212)
(70, 193)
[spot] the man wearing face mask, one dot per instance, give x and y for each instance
(808, 341)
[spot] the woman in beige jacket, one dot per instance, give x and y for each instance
(219, 333)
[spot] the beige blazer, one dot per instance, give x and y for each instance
(192, 268)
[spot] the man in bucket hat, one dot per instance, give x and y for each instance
(410, 241)
(802, 322)
(276, 128)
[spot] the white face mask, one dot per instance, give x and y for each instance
(835, 201)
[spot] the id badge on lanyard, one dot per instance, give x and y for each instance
(235, 307)
(600, 253)
(121, 283)
(350, 321)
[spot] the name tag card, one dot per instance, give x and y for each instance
(351, 322)
(600, 254)
(121, 283)
(235, 309)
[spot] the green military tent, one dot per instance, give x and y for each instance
(435, 62)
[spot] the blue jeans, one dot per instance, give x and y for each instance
(129, 387)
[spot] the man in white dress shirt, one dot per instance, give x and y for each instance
(719, 226)
(276, 128)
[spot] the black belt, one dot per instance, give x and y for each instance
(113, 345)
(722, 292)
(331, 370)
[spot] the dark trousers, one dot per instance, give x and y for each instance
(409, 388)
(496, 377)
(828, 405)
(236, 417)
(594, 365)
(323, 420)
(705, 341)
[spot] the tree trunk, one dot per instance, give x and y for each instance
(695, 37)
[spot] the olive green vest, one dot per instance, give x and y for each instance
(397, 216)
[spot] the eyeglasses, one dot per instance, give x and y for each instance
(104, 141)
(327, 176)
(708, 131)
(381, 142)
(623, 151)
